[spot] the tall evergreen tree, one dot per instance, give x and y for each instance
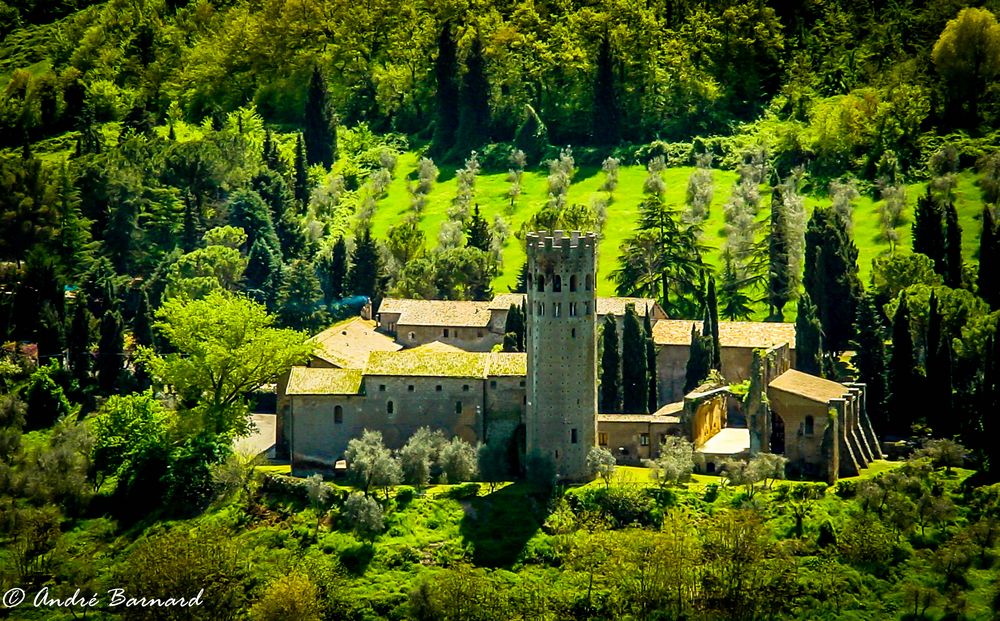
(474, 103)
(711, 325)
(332, 270)
(699, 360)
(831, 277)
(364, 277)
(301, 186)
(248, 211)
(270, 154)
(79, 339)
(110, 352)
(477, 233)
(928, 231)
(320, 132)
(142, 323)
(938, 365)
(300, 300)
(953, 248)
(604, 125)
(193, 228)
(89, 140)
(905, 389)
(808, 338)
(515, 325)
(262, 278)
(521, 284)
(445, 72)
(635, 384)
(611, 367)
(872, 360)
(988, 401)
(652, 393)
(988, 279)
(779, 258)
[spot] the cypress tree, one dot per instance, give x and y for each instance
(521, 285)
(711, 326)
(79, 339)
(301, 188)
(953, 248)
(652, 393)
(515, 325)
(699, 360)
(635, 385)
(611, 367)
(270, 154)
(989, 401)
(905, 388)
(262, 278)
(248, 211)
(938, 365)
(142, 323)
(445, 70)
(604, 127)
(988, 279)
(509, 342)
(872, 360)
(808, 338)
(928, 232)
(89, 141)
(110, 352)
(332, 268)
(320, 132)
(474, 103)
(364, 275)
(779, 265)
(831, 277)
(192, 231)
(477, 234)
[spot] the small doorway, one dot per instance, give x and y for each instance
(777, 434)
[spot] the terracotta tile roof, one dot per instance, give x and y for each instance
(670, 409)
(347, 344)
(504, 300)
(652, 419)
(616, 306)
(508, 364)
(310, 381)
(445, 313)
(743, 334)
(410, 362)
(808, 386)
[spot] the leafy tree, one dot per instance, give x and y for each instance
(371, 464)
(493, 464)
(943, 453)
(419, 456)
(320, 130)
(611, 367)
(45, 400)
(248, 211)
(464, 274)
(635, 383)
(808, 338)
(458, 461)
(831, 277)
(905, 385)
(364, 277)
(474, 103)
(132, 440)
(604, 127)
(225, 347)
(872, 360)
(365, 515)
(675, 463)
(300, 301)
(601, 462)
(218, 266)
(988, 280)
(290, 596)
(967, 55)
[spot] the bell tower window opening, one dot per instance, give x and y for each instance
(557, 284)
(390, 408)
(572, 283)
(541, 284)
(588, 282)
(556, 309)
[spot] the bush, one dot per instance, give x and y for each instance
(463, 491)
(711, 492)
(846, 489)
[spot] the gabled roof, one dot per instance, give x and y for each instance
(742, 334)
(410, 362)
(437, 347)
(616, 306)
(808, 386)
(504, 300)
(319, 381)
(443, 313)
(347, 344)
(508, 364)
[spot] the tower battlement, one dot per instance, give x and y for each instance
(561, 240)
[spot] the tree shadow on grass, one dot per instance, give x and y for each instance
(499, 525)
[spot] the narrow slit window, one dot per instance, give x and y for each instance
(338, 415)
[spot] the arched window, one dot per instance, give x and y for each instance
(810, 425)
(589, 282)
(557, 284)
(389, 408)
(458, 407)
(338, 415)
(572, 282)
(530, 281)
(541, 283)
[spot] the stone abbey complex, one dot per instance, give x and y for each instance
(437, 363)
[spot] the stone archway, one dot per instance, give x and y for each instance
(777, 434)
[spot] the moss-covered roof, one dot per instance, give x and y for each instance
(508, 364)
(346, 344)
(310, 381)
(411, 362)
